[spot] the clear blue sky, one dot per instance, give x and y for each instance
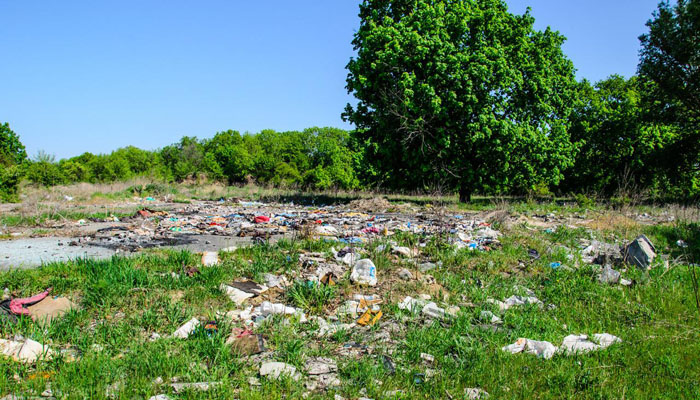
(93, 76)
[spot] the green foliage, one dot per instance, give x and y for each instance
(669, 62)
(10, 178)
(460, 94)
(618, 147)
(12, 155)
(11, 149)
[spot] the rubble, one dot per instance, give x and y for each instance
(640, 252)
(514, 301)
(609, 275)
(25, 350)
(274, 370)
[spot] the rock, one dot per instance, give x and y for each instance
(320, 365)
(364, 273)
(186, 330)
(488, 316)
(641, 252)
(322, 381)
(25, 351)
(609, 275)
(405, 274)
(274, 370)
(514, 301)
(606, 339)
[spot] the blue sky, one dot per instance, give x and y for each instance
(94, 76)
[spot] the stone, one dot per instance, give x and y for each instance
(641, 252)
(609, 275)
(274, 370)
(405, 274)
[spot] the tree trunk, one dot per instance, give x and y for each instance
(465, 193)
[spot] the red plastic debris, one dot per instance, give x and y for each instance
(261, 218)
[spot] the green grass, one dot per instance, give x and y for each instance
(15, 220)
(124, 300)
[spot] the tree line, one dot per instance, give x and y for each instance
(454, 96)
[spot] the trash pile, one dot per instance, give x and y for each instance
(360, 308)
(257, 222)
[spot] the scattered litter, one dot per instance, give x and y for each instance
(201, 386)
(187, 329)
(160, 397)
(49, 309)
(682, 244)
(320, 365)
(261, 219)
(364, 273)
(433, 311)
(370, 317)
(573, 344)
(245, 342)
(475, 394)
(210, 258)
(539, 348)
(609, 275)
(239, 292)
(602, 253)
(514, 301)
(428, 358)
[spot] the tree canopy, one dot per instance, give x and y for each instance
(460, 94)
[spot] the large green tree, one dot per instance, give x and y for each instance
(12, 155)
(670, 64)
(618, 147)
(460, 94)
